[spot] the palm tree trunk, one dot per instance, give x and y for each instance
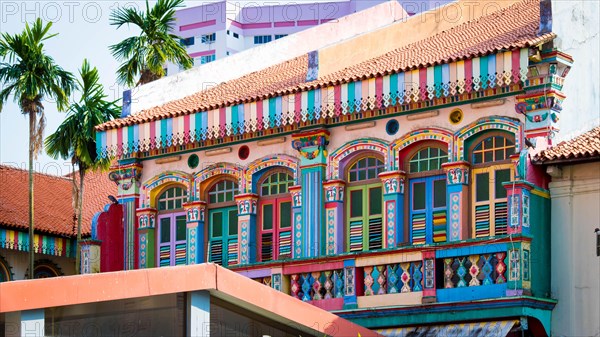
(31, 154)
(79, 219)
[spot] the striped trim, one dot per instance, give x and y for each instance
(348, 98)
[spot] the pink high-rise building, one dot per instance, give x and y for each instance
(215, 30)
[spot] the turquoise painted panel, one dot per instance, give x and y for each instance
(471, 293)
(471, 250)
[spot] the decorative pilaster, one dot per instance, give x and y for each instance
(90, 256)
(195, 217)
(393, 201)
(518, 194)
(298, 235)
(334, 215)
(127, 177)
(353, 284)
(429, 294)
(542, 101)
(457, 180)
(247, 205)
(311, 145)
(147, 237)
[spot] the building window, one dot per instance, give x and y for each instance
(187, 41)
(279, 36)
(209, 38)
(5, 270)
(205, 59)
(261, 39)
(364, 207)
(427, 195)
(222, 223)
(228, 32)
(236, 35)
(275, 216)
(491, 168)
(172, 227)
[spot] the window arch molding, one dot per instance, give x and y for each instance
(6, 273)
(413, 138)
(44, 268)
(465, 135)
(338, 159)
(204, 179)
(258, 168)
(154, 186)
(409, 152)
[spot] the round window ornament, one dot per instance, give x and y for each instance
(456, 116)
(193, 161)
(392, 127)
(244, 152)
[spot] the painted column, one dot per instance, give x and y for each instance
(334, 216)
(393, 201)
(542, 101)
(353, 284)
(518, 194)
(195, 217)
(296, 192)
(457, 180)
(25, 323)
(127, 177)
(312, 147)
(247, 205)
(198, 317)
(147, 237)
(429, 286)
(90, 256)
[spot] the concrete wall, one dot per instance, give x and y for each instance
(575, 266)
(577, 25)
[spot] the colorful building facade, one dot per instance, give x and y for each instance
(395, 191)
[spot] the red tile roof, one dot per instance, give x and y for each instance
(583, 147)
(53, 201)
(513, 27)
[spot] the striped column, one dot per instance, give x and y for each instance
(457, 180)
(247, 205)
(334, 216)
(195, 217)
(147, 237)
(393, 200)
(127, 177)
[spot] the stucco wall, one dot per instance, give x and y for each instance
(19, 261)
(578, 28)
(575, 266)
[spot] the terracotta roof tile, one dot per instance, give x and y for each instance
(53, 200)
(513, 27)
(583, 147)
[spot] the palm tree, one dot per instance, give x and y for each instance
(146, 54)
(76, 136)
(30, 76)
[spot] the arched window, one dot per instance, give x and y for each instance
(5, 270)
(364, 225)
(44, 268)
(490, 156)
(427, 195)
(222, 223)
(275, 216)
(172, 228)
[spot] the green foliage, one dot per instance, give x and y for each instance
(76, 137)
(146, 54)
(29, 75)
